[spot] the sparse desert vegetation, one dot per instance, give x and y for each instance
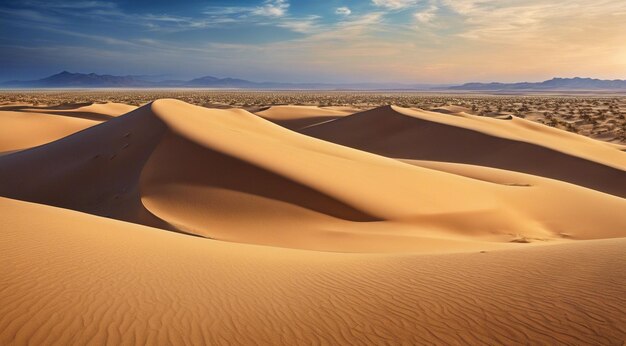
(597, 116)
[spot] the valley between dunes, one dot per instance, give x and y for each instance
(178, 224)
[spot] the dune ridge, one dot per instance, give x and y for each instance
(515, 144)
(298, 117)
(178, 224)
(25, 126)
(230, 175)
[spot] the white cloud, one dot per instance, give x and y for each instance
(426, 16)
(304, 25)
(272, 8)
(352, 29)
(344, 11)
(395, 4)
(529, 19)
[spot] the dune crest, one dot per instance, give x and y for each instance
(230, 175)
(298, 117)
(178, 224)
(26, 126)
(515, 144)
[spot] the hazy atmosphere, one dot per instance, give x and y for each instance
(421, 41)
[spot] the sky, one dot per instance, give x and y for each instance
(406, 41)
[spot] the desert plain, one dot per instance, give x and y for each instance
(231, 217)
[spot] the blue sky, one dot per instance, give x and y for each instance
(429, 41)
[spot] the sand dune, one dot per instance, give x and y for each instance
(20, 130)
(549, 199)
(297, 117)
(514, 144)
(230, 175)
(109, 108)
(96, 170)
(221, 210)
(73, 278)
(92, 111)
(26, 126)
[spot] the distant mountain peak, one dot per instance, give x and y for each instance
(68, 79)
(556, 83)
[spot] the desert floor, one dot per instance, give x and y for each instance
(450, 220)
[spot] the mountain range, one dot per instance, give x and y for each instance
(552, 84)
(67, 79)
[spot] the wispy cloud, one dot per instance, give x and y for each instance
(212, 16)
(171, 23)
(29, 15)
(66, 4)
(272, 8)
(427, 15)
(79, 4)
(410, 40)
(309, 24)
(344, 11)
(270, 12)
(97, 38)
(395, 4)
(525, 19)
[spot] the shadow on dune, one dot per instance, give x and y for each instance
(180, 161)
(387, 132)
(302, 123)
(98, 171)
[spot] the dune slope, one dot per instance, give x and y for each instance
(20, 130)
(514, 144)
(298, 117)
(229, 175)
(412, 251)
(92, 111)
(26, 126)
(96, 170)
(72, 278)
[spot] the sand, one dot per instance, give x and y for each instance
(512, 144)
(299, 117)
(176, 224)
(25, 126)
(73, 278)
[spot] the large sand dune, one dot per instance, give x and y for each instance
(427, 243)
(513, 144)
(71, 278)
(229, 175)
